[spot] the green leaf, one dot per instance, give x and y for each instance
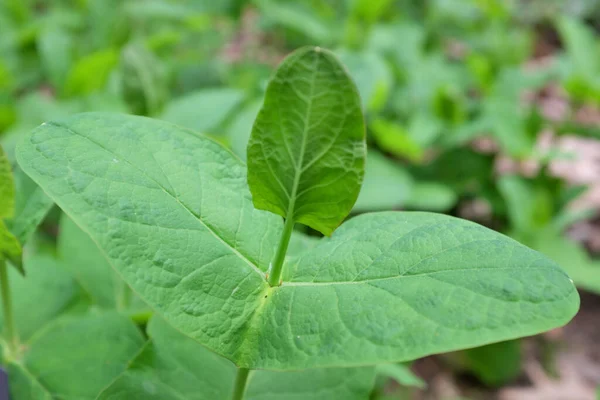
(7, 187)
(241, 127)
(387, 185)
(90, 73)
(48, 289)
(172, 213)
(297, 18)
(529, 206)
(495, 364)
(203, 111)
(80, 255)
(581, 46)
(32, 205)
(372, 76)
(172, 367)
(431, 196)
(401, 374)
(143, 79)
(55, 46)
(75, 358)
(584, 271)
(307, 149)
(394, 139)
(10, 248)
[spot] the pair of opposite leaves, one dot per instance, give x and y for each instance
(173, 213)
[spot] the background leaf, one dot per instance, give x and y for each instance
(203, 111)
(75, 358)
(172, 366)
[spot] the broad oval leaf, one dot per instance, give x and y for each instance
(172, 367)
(173, 214)
(307, 149)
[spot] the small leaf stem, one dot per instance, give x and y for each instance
(241, 378)
(277, 265)
(9, 325)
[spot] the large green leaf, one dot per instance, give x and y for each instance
(172, 213)
(173, 367)
(75, 358)
(306, 153)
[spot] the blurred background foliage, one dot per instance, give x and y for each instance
(484, 109)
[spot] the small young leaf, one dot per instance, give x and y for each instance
(172, 366)
(306, 152)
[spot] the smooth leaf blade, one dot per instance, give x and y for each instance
(170, 210)
(307, 149)
(398, 286)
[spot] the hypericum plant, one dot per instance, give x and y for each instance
(203, 242)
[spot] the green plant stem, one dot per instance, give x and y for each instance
(9, 324)
(277, 265)
(241, 378)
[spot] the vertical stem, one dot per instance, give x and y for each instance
(240, 383)
(277, 266)
(9, 325)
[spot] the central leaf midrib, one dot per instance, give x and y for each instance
(171, 195)
(299, 168)
(387, 278)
